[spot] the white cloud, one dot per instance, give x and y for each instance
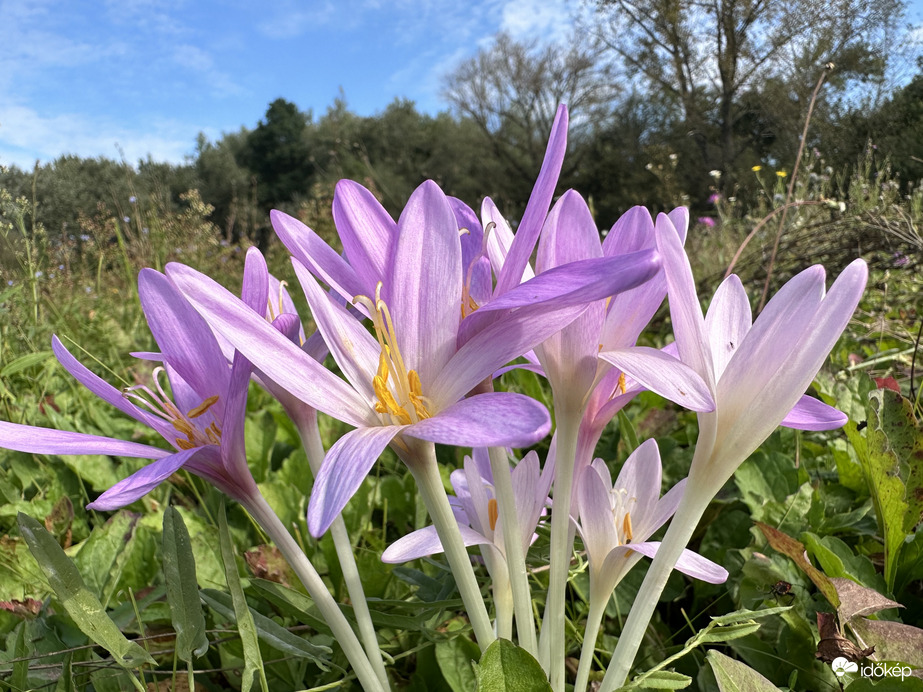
(542, 19)
(26, 135)
(201, 64)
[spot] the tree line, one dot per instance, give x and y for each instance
(671, 101)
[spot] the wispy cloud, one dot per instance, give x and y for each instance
(26, 135)
(548, 20)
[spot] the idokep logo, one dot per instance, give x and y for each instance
(841, 666)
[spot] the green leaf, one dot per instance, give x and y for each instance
(19, 678)
(269, 631)
(83, 607)
(628, 433)
(896, 485)
(728, 632)
(455, 658)
(837, 559)
(663, 680)
(26, 361)
(102, 556)
(741, 616)
(182, 590)
(734, 676)
(505, 667)
(253, 661)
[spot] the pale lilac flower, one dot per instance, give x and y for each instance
(757, 371)
(200, 413)
(476, 510)
(409, 378)
(617, 519)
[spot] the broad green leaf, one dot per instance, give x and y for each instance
(253, 661)
(182, 589)
(505, 667)
(98, 557)
(896, 485)
(838, 560)
(26, 361)
(83, 607)
(455, 658)
(734, 676)
(269, 631)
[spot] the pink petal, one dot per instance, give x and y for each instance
(425, 542)
(344, 468)
(813, 414)
(496, 419)
(663, 374)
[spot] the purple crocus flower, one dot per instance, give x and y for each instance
(616, 519)
(756, 371)
(410, 379)
(200, 413)
(476, 510)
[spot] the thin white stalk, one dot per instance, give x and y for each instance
(553, 621)
(317, 590)
(503, 596)
(424, 467)
(594, 619)
(314, 449)
(512, 545)
(682, 526)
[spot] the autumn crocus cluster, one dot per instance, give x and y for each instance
(420, 314)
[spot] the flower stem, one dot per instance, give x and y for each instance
(330, 611)
(512, 545)
(682, 526)
(594, 619)
(503, 596)
(314, 449)
(553, 624)
(425, 471)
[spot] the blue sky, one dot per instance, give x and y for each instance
(144, 77)
(89, 76)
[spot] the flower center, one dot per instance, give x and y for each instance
(620, 515)
(193, 434)
(398, 391)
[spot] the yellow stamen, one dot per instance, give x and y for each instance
(493, 512)
(622, 385)
(406, 405)
(203, 407)
(626, 527)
